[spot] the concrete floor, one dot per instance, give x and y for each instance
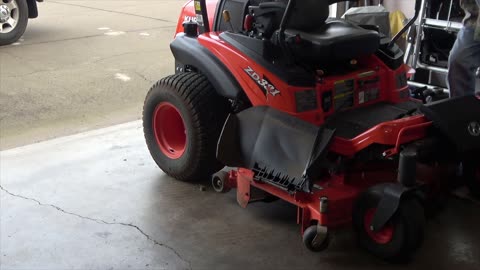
(83, 65)
(97, 201)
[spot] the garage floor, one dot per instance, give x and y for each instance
(97, 201)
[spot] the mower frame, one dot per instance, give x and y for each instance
(372, 174)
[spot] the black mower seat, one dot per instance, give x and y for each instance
(335, 40)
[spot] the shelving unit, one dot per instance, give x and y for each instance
(416, 37)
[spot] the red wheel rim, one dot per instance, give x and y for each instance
(383, 236)
(169, 130)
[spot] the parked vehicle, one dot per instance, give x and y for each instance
(313, 111)
(14, 15)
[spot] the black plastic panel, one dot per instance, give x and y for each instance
(352, 123)
(458, 119)
(189, 52)
(237, 9)
(282, 149)
(262, 52)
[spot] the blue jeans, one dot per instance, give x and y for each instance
(463, 62)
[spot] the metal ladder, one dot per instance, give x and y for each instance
(415, 37)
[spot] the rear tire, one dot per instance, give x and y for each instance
(400, 237)
(182, 120)
(19, 14)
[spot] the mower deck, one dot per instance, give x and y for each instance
(340, 191)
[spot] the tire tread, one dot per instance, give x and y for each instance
(203, 104)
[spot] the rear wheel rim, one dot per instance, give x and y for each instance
(169, 130)
(384, 236)
(9, 15)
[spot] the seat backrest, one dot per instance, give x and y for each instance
(308, 15)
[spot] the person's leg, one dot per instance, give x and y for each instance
(453, 65)
(463, 61)
(477, 82)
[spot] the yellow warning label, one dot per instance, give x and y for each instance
(197, 6)
(343, 95)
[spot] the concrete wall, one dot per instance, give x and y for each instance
(406, 6)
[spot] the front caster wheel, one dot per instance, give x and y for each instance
(219, 182)
(316, 238)
(399, 238)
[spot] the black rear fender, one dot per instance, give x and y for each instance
(32, 9)
(189, 53)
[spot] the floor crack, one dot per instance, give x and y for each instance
(143, 77)
(100, 221)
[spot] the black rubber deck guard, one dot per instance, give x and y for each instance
(281, 149)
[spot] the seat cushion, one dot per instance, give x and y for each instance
(336, 40)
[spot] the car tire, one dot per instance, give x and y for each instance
(11, 33)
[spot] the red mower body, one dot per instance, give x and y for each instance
(263, 88)
(188, 14)
(374, 75)
(385, 142)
